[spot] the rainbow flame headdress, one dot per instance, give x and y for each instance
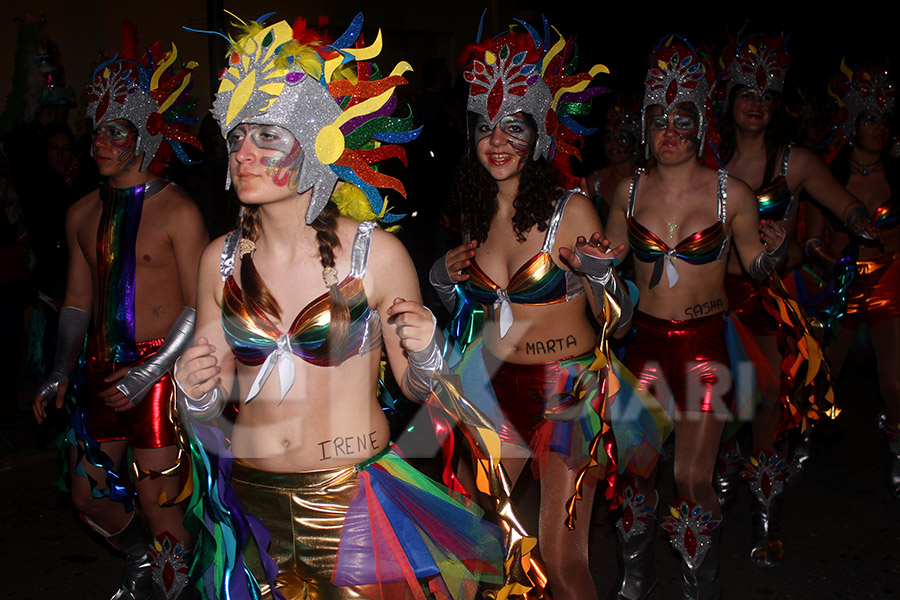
(284, 76)
(153, 95)
(677, 74)
(521, 72)
(758, 62)
(868, 88)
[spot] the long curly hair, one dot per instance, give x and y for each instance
(474, 195)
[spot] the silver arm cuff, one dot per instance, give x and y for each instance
(600, 275)
(439, 277)
(765, 263)
(422, 365)
(206, 408)
(138, 381)
(856, 218)
(73, 325)
(815, 250)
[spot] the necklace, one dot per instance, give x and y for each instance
(865, 170)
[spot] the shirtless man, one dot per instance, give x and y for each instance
(134, 247)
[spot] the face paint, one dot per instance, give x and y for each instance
(749, 95)
(121, 137)
(684, 121)
(284, 169)
(875, 118)
(518, 129)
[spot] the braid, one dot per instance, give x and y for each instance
(326, 235)
(257, 297)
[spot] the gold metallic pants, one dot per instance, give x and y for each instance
(304, 512)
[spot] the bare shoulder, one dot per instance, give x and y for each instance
(802, 156)
(620, 195)
(211, 259)
(580, 217)
(86, 206)
(578, 205)
(179, 202)
(387, 246)
(740, 196)
(804, 163)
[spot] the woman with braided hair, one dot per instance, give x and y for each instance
(313, 294)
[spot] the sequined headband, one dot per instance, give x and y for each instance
(868, 88)
(341, 117)
(153, 93)
(757, 62)
(624, 119)
(522, 71)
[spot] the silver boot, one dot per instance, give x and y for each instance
(635, 530)
(803, 455)
(170, 563)
(727, 476)
(765, 476)
(892, 434)
(696, 537)
(132, 542)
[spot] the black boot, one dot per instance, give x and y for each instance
(635, 530)
(765, 476)
(170, 563)
(727, 476)
(131, 541)
(696, 537)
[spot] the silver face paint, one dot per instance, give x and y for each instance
(749, 95)
(115, 132)
(517, 128)
(265, 137)
(681, 120)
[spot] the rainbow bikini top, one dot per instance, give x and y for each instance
(706, 246)
(887, 215)
(775, 200)
(254, 344)
(538, 282)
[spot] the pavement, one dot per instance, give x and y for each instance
(841, 529)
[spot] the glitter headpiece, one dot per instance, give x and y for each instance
(153, 93)
(520, 72)
(624, 118)
(341, 117)
(868, 88)
(758, 62)
(677, 74)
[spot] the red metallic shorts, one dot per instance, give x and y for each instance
(875, 293)
(684, 361)
(746, 301)
(146, 425)
(522, 391)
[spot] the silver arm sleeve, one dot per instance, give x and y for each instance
(815, 250)
(73, 325)
(765, 263)
(442, 284)
(139, 379)
(423, 364)
(857, 217)
(601, 276)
